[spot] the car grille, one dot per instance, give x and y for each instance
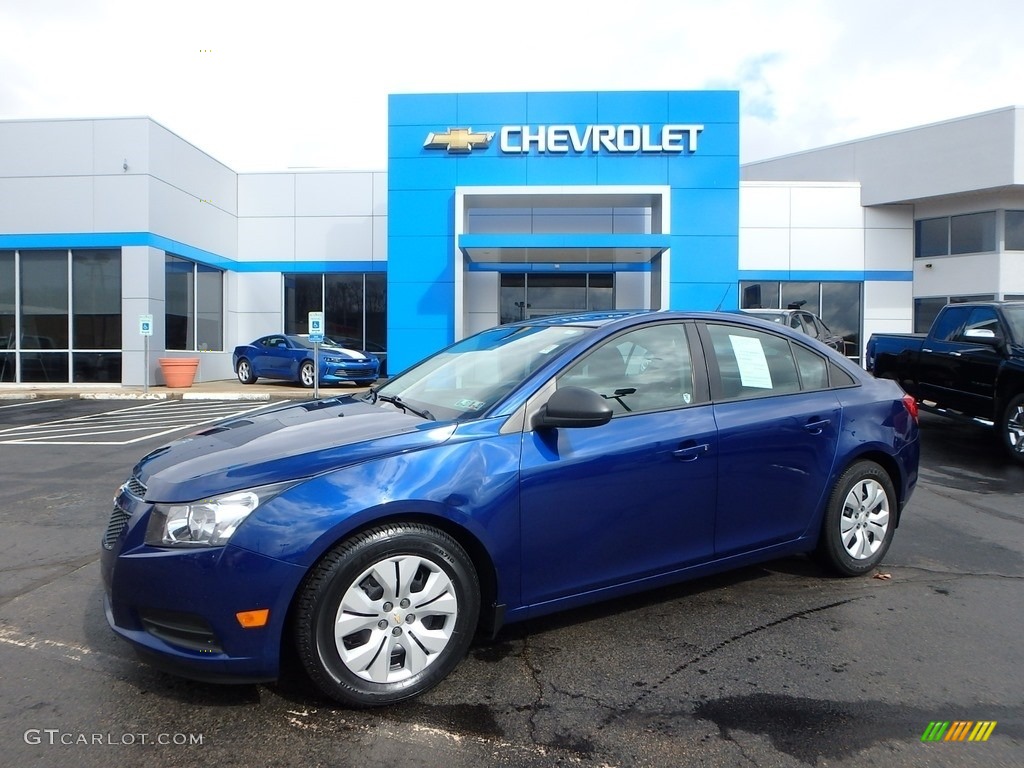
(181, 629)
(118, 522)
(135, 487)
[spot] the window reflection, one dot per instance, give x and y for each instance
(44, 301)
(838, 304)
(537, 295)
(354, 306)
(194, 305)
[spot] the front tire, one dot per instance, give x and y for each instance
(387, 614)
(1011, 427)
(307, 375)
(244, 372)
(860, 520)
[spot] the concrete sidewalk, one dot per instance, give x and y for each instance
(228, 389)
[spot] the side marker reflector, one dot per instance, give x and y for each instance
(253, 619)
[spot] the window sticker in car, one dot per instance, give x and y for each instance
(470, 405)
(751, 361)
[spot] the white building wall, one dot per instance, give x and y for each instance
(481, 301)
(142, 293)
(632, 290)
(888, 308)
(818, 228)
(330, 216)
(46, 204)
(801, 227)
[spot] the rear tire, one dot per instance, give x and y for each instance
(860, 520)
(1011, 428)
(387, 614)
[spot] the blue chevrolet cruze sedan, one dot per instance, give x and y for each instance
(533, 467)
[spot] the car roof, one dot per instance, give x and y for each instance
(629, 317)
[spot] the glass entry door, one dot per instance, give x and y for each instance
(525, 296)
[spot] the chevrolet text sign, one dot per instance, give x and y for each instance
(561, 139)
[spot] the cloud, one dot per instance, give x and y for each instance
(263, 85)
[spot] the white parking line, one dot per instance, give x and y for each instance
(152, 420)
(30, 402)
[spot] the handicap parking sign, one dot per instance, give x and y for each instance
(316, 327)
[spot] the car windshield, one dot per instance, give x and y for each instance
(469, 377)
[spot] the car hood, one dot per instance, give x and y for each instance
(295, 441)
(351, 354)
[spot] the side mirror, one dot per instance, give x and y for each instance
(573, 407)
(982, 336)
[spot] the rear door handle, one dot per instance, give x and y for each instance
(817, 426)
(691, 452)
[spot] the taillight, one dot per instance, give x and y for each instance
(911, 405)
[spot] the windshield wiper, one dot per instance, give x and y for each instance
(398, 402)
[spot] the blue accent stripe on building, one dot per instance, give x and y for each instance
(573, 267)
(565, 241)
(309, 267)
(177, 248)
(882, 276)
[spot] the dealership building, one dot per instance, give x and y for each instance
(493, 208)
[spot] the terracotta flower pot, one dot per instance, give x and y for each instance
(179, 372)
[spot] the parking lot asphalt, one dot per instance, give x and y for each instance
(774, 665)
(227, 389)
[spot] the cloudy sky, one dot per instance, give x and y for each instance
(276, 85)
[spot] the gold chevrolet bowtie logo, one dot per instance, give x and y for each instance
(458, 140)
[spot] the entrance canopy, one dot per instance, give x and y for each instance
(567, 225)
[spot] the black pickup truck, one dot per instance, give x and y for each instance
(970, 364)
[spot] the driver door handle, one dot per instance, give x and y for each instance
(691, 451)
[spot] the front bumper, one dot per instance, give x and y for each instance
(177, 606)
(349, 371)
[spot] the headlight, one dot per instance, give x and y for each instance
(209, 522)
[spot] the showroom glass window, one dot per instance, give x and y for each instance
(60, 315)
(96, 315)
(8, 310)
(354, 306)
(838, 304)
(1014, 230)
(194, 305)
(44, 316)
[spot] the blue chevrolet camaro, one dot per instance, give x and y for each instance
(288, 356)
(533, 467)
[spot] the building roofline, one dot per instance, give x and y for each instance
(897, 132)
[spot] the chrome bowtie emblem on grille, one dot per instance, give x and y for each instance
(459, 140)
